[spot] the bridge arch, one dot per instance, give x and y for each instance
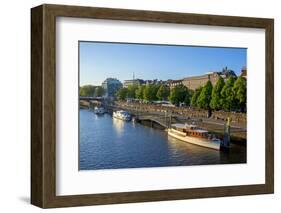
(152, 121)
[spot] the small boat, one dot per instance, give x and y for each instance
(99, 110)
(194, 135)
(122, 115)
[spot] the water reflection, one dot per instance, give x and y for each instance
(118, 125)
(196, 154)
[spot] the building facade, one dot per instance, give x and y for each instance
(133, 82)
(199, 81)
(244, 72)
(195, 82)
(172, 83)
(111, 86)
(142, 82)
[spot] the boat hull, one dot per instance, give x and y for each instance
(192, 140)
(99, 111)
(123, 118)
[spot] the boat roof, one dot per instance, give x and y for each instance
(183, 126)
(178, 125)
(200, 130)
(122, 111)
(190, 125)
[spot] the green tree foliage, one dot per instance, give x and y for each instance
(163, 92)
(178, 94)
(139, 92)
(132, 91)
(195, 96)
(122, 93)
(216, 101)
(205, 96)
(87, 91)
(240, 92)
(228, 95)
(148, 92)
(188, 96)
(99, 91)
(155, 88)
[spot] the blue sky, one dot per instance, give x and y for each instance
(100, 60)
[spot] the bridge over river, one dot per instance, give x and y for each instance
(157, 120)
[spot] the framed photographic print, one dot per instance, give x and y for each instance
(137, 106)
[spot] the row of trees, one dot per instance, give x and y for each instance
(150, 92)
(153, 92)
(91, 91)
(229, 95)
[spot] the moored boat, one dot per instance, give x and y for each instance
(122, 115)
(194, 135)
(99, 110)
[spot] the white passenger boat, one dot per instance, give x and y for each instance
(194, 135)
(99, 110)
(122, 115)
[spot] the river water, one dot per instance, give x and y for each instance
(109, 143)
